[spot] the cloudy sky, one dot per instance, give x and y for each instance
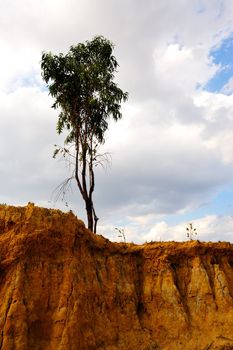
(172, 153)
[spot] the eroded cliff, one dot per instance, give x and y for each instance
(63, 288)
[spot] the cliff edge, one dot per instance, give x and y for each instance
(64, 288)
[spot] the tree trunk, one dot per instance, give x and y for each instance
(89, 215)
(95, 219)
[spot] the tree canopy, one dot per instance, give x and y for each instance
(82, 85)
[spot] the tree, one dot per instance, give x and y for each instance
(82, 84)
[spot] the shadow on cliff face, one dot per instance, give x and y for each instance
(62, 287)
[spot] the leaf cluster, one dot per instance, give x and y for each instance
(82, 85)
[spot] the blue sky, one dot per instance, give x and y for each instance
(223, 57)
(220, 204)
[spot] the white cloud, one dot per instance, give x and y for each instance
(26, 146)
(228, 87)
(183, 67)
(217, 112)
(208, 228)
(211, 227)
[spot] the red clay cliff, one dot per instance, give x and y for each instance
(64, 288)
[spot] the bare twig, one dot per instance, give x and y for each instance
(61, 190)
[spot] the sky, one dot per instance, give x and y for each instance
(172, 152)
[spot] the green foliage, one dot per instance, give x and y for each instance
(82, 85)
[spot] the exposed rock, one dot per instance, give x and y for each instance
(64, 288)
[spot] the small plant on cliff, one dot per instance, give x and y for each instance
(191, 231)
(82, 83)
(121, 234)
